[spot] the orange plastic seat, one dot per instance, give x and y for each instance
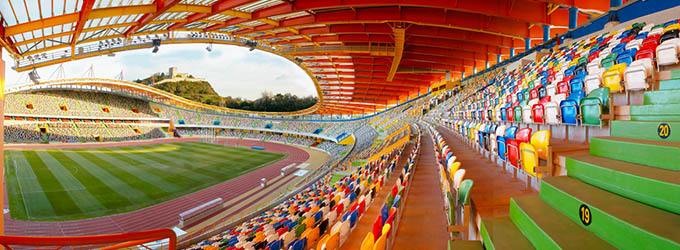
(381, 243)
(367, 244)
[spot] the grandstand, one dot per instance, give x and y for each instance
(509, 124)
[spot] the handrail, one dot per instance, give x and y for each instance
(122, 240)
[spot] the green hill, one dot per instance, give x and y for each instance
(202, 91)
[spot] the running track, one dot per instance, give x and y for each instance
(161, 215)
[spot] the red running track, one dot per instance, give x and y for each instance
(161, 215)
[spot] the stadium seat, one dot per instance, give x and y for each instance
(522, 135)
(367, 244)
(380, 244)
(594, 106)
(637, 73)
(667, 52)
(538, 113)
(613, 76)
(569, 112)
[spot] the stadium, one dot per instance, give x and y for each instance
(486, 124)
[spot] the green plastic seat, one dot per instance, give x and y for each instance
(639, 25)
(582, 60)
(518, 113)
(390, 200)
(531, 84)
(464, 192)
(299, 229)
(609, 60)
(593, 106)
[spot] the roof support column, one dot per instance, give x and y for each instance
(546, 33)
(573, 17)
(527, 43)
(2, 143)
(512, 52)
(498, 59)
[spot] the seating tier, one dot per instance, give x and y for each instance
(625, 223)
(662, 154)
(501, 233)
(645, 184)
(546, 228)
(648, 130)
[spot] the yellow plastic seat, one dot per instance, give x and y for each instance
(367, 244)
(454, 167)
(529, 158)
(380, 243)
(541, 140)
(613, 76)
(674, 26)
(386, 229)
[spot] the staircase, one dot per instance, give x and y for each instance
(624, 194)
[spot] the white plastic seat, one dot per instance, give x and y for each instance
(634, 44)
(551, 89)
(593, 81)
(551, 111)
(637, 73)
(557, 98)
(526, 114)
(594, 66)
(667, 52)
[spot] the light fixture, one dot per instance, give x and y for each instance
(209, 48)
(156, 44)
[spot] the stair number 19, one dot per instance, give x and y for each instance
(584, 214)
(664, 130)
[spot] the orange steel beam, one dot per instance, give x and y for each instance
(217, 8)
(161, 7)
(524, 10)
(82, 19)
(399, 39)
(421, 16)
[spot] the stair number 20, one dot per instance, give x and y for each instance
(664, 130)
(584, 214)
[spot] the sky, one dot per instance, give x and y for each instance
(231, 70)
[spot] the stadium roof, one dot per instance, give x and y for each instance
(364, 54)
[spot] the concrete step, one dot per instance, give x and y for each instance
(656, 187)
(624, 223)
(648, 130)
(675, 74)
(546, 228)
(659, 112)
(465, 245)
(661, 154)
(501, 233)
(662, 97)
(669, 84)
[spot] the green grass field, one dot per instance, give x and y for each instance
(83, 183)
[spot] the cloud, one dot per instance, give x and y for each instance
(232, 71)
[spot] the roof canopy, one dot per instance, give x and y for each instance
(363, 54)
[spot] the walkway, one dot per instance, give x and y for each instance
(493, 188)
(365, 224)
(423, 222)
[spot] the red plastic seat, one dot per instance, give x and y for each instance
(509, 113)
(522, 135)
(538, 112)
(563, 87)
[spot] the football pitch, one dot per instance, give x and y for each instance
(84, 183)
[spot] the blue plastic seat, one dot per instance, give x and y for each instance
(626, 57)
(500, 141)
(569, 112)
(353, 218)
